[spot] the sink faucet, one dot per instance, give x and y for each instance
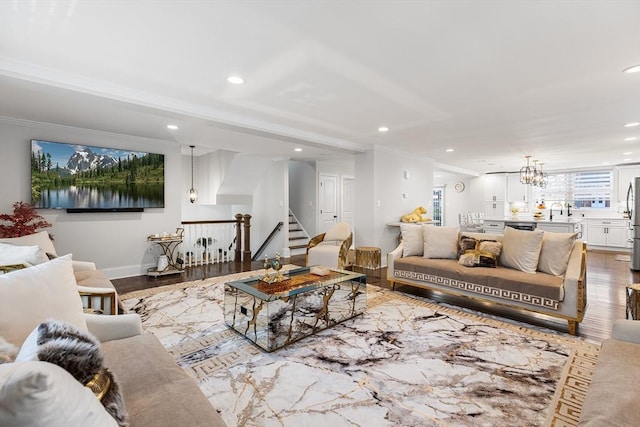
(551, 210)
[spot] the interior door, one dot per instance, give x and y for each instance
(327, 202)
(348, 201)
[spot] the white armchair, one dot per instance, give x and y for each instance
(331, 249)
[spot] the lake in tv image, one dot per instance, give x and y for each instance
(74, 176)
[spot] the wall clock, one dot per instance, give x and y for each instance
(459, 187)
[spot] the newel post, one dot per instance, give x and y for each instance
(238, 255)
(247, 238)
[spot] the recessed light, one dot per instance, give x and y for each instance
(236, 80)
(172, 127)
(449, 150)
(383, 129)
(634, 69)
(631, 138)
(626, 160)
(628, 153)
(632, 124)
(297, 149)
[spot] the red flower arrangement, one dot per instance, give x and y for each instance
(25, 220)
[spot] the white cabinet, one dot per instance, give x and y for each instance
(494, 209)
(561, 227)
(608, 232)
(490, 226)
(495, 187)
(516, 191)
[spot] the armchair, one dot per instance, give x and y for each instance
(331, 249)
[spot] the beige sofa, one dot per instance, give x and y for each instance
(558, 296)
(613, 398)
(157, 392)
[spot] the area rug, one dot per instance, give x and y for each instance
(405, 362)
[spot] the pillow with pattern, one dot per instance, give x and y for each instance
(479, 253)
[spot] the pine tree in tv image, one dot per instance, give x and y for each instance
(76, 176)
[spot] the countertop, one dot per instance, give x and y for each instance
(561, 220)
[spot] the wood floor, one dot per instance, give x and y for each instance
(606, 280)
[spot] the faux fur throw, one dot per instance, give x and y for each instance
(80, 354)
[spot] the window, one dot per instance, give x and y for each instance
(438, 205)
(589, 189)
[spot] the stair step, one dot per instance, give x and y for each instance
(298, 238)
(298, 247)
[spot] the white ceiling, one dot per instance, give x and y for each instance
(495, 80)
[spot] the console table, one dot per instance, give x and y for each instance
(168, 246)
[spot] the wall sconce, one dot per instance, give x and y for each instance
(406, 174)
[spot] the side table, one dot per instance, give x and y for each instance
(633, 301)
(368, 258)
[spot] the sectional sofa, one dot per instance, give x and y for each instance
(156, 391)
(533, 270)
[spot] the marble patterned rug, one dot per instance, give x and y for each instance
(406, 362)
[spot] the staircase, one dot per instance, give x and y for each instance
(298, 237)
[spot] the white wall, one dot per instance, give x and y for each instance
(302, 194)
(116, 242)
(454, 202)
(270, 206)
(380, 178)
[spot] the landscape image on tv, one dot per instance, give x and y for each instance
(72, 176)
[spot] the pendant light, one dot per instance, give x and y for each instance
(527, 173)
(193, 193)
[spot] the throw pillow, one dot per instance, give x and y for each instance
(8, 351)
(484, 254)
(338, 232)
(80, 354)
(40, 239)
(12, 254)
(35, 294)
(412, 240)
(43, 394)
(521, 249)
(440, 242)
(555, 252)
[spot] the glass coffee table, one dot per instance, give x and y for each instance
(277, 314)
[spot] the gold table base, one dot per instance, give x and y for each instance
(633, 301)
(368, 258)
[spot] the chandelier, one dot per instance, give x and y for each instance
(193, 193)
(531, 175)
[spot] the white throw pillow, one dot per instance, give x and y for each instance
(521, 249)
(13, 254)
(412, 240)
(40, 239)
(339, 232)
(555, 252)
(44, 394)
(440, 242)
(36, 294)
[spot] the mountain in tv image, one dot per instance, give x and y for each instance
(86, 159)
(87, 177)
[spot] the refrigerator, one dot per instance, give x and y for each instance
(633, 207)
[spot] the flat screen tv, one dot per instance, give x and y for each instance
(85, 178)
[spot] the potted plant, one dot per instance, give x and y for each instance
(25, 220)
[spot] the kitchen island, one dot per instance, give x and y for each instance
(558, 225)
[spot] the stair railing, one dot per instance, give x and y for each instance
(211, 241)
(268, 240)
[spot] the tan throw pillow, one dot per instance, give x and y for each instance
(521, 249)
(556, 249)
(412, 241)
(31, 296)
(440, 242)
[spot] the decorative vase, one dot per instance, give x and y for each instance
(163, 263)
